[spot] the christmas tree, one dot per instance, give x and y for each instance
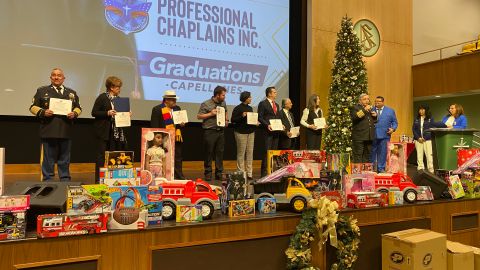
(349, 80)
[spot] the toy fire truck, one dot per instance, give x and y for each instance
(189, 193)
(55, 225)
(385, 181)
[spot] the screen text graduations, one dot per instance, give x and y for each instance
(204, 22)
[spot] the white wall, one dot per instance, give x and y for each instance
(441, 23)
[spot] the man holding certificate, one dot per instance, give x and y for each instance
(287, 138)
(56, 106)
(269, 118)
(213, 112)
(164, 116)
(110, 137)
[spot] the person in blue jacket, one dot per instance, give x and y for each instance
(423, 137)
(455, 117)
(385, 126)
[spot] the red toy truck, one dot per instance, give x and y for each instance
(367, 200)
(385, 181)
(188, 193)
(55, 225)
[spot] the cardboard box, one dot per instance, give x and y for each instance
(414, 249)
(476, 258)
(459, 256)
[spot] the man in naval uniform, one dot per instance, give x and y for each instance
(55, 130)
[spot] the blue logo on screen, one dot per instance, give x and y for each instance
(128, 16)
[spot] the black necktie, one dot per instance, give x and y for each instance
(59, 90)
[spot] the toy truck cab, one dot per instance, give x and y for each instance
(192, 192)
(385, 181)
(288, 191)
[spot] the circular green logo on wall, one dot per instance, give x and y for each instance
(369, 37)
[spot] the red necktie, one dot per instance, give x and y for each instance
(274, 107)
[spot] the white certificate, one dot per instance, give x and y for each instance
(252, 118)
(180, 117)
(319, 122)
(60, 106)
(122, 119)
(295, 132)
(276, 124)
(220, 116)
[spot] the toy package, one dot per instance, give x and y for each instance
(236, 186)
(424, 193)
(267, 205)
(189, 213)
(407, 139)
(120, 177)
(241, 208)
(88, 199)
(395, 197)
(12, 225)
(14, 203)
(2, 168)
(13, 222)
(361, 167)
(154, 205)
(119, 159)
(463, 155)
(471, 186)
(334, 196)
(135, 207)
(55, 225)
(455, 187)
(364, 182)
(280, 158)
(157, 153)
(367, 200)
(339, 163)
(396, 157)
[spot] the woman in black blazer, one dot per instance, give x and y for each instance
(109, 137)
(423, 137)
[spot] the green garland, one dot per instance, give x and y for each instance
(299, 253)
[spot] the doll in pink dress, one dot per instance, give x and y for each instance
(394, 160)
(155, 157)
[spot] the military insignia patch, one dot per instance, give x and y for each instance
(128, 16)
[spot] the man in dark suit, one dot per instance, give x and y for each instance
(385, 126)
(55, 130)
(288, 121)
(268, 109)
(162, 117)
(363, 129)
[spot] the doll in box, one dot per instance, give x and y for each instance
(394, 160)
(155, 156)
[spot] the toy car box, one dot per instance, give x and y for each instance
(55, 225)
(88, 199)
